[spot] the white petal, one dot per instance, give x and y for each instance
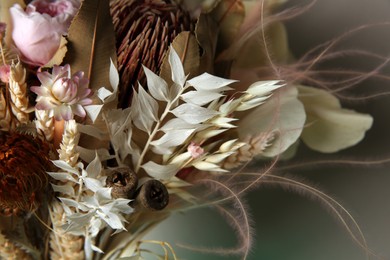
(331, 127)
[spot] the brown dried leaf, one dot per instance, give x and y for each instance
(206, 32)
(92, 42)
(59, 55)
(229, 15)
(187, 48)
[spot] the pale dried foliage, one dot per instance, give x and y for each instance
(45, 124)
(18, 93)
(63, 246)
(11, 251)
(254, 146)
(70, 140)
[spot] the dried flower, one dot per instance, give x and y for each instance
(66, 95)
(195, 150)
(37, 30)
(144, 29)
(23, 179)
(4, 73)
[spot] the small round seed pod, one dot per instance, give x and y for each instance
(123, 182)
(152, 195)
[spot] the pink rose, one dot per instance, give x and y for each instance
(37, 30)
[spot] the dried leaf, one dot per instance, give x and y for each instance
(200, 98)
(157, 86)
(229, 15)
(173, 138)
(206, 32)
(92, 42)
(193, 114)
(187, 49)
(59, 55)
(209, 82)
(160, 172)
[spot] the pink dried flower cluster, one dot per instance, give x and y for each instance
(62, 93)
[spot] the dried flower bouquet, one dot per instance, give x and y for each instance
(115, 114)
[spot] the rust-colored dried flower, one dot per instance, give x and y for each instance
(23, 178)
(144, 29)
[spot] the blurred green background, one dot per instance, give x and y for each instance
(294, 227)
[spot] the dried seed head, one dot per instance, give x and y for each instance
(123, 182)
(152, 195)
(144, 29)
(23, 178)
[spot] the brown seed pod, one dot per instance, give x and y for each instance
(144, 29)
(152, 195)
(23, 179)
(123, 182)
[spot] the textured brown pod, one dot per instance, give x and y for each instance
(152, 195)
(24, 161)
(123, 182)
(144, 29)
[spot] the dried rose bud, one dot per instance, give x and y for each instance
(144, 29)
(23, 178)
(123, 182)
(152, 195)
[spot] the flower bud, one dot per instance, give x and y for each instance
(152, 195)
(123, 182)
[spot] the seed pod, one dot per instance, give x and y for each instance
(123, 182)
(152, 195)
(24, 161)
(144, 29)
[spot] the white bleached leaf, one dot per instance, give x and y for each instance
(262, 88)
(65, 166)
(173, 138)
(96, 249)
(206, 134)
(331, 128)
(177, 69)
(103, 93)
(141, 115)
(177, 123)
(93, 111)
(92, 184)
(224, 122)
(92, 131)
(160, 172)
(114, 77)
(95, 167)
(73, 203)
(181, 158)
(217, 158)
(252, 103)
(208, 82)
(157, 86)
(200, 98)
(193, 114)
(148, 105)
(63, 189)
(174, 91)
(62, 176)
(207, 166)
